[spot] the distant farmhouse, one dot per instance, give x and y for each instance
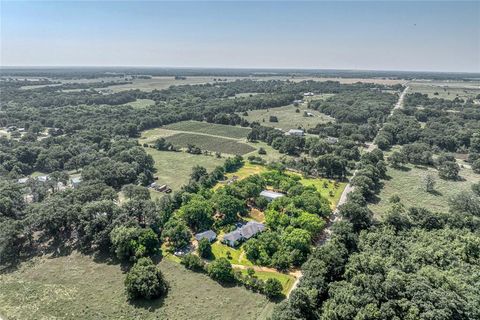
(308, 94)
(209, 234)
(271, 195)
(243, 233)
(295, 132)
(331, 140)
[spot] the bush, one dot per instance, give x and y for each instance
(273, 288)
(204, 248)
(193, 262)
(221, 270)
(273, 119)
(145, 280)
(262, 151)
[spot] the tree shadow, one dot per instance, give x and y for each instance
(149, 305)
(403, 168)
(435, 193)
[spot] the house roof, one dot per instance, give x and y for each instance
(76, 180)
(22, 180)
(233, 236)
(271, 194)
(251, 229)
(209, 234)
(42, 178)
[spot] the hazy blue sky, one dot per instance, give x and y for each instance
(437, 36)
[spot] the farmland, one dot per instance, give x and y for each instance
(210, 128)
(210, 143)
(287, 117)
(407, 185)
(447, 89)
(76, 286)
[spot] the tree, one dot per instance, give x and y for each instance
(132, 191)
(273, 119)
(449, 170)
(162, 144)
(359, 216)
(428, 183)
(228, 207)
(197, 213)
(273, 288)
(476, 188)
(193, 262)
(396, 159)
(204, 248)
(198, 172)
(176, 233)
(261, 150)
(221, 270)
(145, 280)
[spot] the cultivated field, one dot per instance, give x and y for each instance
(174, 168)
(141, 103)
(287, 117)
(210, 143)
(77, 287)
(407, 185)
(210, 128)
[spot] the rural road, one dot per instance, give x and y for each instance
(327, 232)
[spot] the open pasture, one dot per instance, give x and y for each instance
(447, 89)
(407, 184)
(287, 117)
(78, 287)
(174, 168)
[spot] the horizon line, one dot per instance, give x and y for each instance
(229, 68)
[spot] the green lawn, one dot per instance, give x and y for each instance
(220, 250)
(77, 287)
(407, 185)
(287, 117)
(285, 279)
(318, 183)
(210, 128)
(174, 168)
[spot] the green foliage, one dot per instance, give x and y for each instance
(273, 288)
(193, 262)
(145, 280)
(197, 213)
(204, 248)
(134, 242)
(176, 233)
(221, 270)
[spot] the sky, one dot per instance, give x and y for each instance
(359, 35)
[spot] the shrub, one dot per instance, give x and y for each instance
(145, 280)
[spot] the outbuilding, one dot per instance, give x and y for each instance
(271, 195)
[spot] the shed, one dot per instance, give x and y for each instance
(271, 195)
(209, 234)
(22, 180)
(75, 181)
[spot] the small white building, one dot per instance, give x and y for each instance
(271, 195)
(309, 114)
(22, 180)
(75, 182)
(295, 132)
(331, 140)
(308, 94)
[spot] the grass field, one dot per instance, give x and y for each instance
(247, 170)
(210, 128)
(287, 117)
(447, 89)
(407, 185)
(319, 184)
(77, 287)
(220, 250)
(210, 143)
(174, 168)
(285, 279)
(141, 103)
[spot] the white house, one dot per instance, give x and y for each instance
(295, 132)
(308, 94)
(271, 195)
